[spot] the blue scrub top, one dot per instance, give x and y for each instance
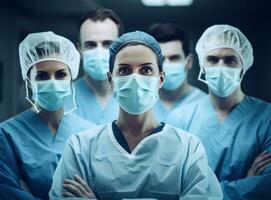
(233, 145)
(89, 108)
(32, 152)
(9, 185)
(161, 112)
(168, 165)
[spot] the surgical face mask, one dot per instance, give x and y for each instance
(175, 75)
(221, 80)
(96, 63)
(136, 93)
(51, 94)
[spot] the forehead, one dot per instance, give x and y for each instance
(136, 54)
(98, 30)
(171, 48)
(223, 52)
(49, 66)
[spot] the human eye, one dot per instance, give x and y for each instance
(124, 70)
(230, 61)
(41, 76)
(212, 59)
(107, 43)
(175, 58)
(61, 74)
(90, 45)
(146, 70)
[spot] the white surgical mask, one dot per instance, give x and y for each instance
(175, 75)
(96, 63)
(136, 93)
(222, 80)
(51, 94)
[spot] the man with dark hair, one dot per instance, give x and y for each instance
(97, 29)
(178, 60)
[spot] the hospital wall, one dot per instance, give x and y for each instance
(16, 24)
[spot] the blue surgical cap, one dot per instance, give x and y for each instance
(136, 37)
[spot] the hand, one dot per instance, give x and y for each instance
(77, 188)
(259, 164)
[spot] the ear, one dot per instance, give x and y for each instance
(162, 78)
(110, 79)
(189, 63)
(78, 47)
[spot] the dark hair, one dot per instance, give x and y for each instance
(101, 14)
(166, 32)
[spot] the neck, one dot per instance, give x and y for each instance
(136, 125)
(99, 88)
(171, 96)
(52, 118)
(227, 104)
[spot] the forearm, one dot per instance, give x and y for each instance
(254, 187)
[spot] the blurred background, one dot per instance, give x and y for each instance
(20, 17)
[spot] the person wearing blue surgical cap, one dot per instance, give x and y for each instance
(135, 157)
(31, 143)
(97, 30)
(234, 128)
(178, 60)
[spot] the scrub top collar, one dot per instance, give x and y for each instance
(121, 139)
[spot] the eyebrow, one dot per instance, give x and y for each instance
(41, 71)
(60, 70)
(124, 64)
(89, 42)
(230, 56)
(147, 64)
(107, 41)
(175, 56)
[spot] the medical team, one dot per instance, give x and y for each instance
(133, 127)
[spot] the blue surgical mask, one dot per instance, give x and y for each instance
(175, 75)
(96, 63)
(222, 80)
(136, 93)
(51, 94)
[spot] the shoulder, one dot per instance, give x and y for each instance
(258, 102)
(79, 83)
(198, 92)
(259, 106)
(183, 114)
(188, 145)
(79, 121)
(16, 121)
(87, 137)
(184, 137)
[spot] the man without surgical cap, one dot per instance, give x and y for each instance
(97, 30)
(234, 128)
(178, 60)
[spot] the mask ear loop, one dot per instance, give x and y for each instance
(200, 74)
(74, 101)
(36, 109)
(243, 74)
